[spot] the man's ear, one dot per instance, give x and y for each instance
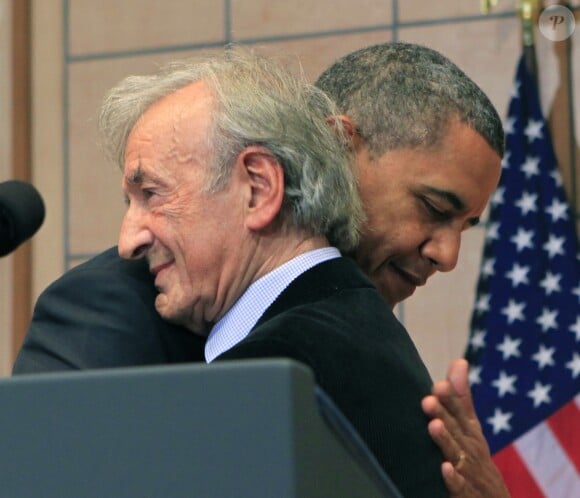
(264, 177)
(349, 128)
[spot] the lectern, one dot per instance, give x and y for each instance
(243, 429)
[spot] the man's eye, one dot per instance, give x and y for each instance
(435, 211)
(148, 193)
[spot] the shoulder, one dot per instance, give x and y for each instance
(110, 263)
(107, 273)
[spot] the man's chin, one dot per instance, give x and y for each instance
(180, 317)
(394, 295)
(166, 312)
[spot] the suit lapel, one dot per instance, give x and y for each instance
(317, 283)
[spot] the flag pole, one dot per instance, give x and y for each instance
(571, 121)
(528, 10)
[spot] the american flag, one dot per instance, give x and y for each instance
(525, 328)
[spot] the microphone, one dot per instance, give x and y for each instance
(21, 214)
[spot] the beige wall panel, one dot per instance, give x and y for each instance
(553, 76)
(575, 49)
(114, 25)
(47, 139)
(5, 174)
(314, 55)
(96, 201)
(571, 3)
(263, 18)
(420, 10)
(437, 316)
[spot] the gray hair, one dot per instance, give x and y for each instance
(257, 102)
(403, 95)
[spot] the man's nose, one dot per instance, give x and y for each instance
(135, 237)
(442, 249)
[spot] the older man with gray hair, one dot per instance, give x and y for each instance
(240, 198)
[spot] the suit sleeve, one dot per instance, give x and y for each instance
(95, 318)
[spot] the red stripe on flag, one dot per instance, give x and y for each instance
(565, 425)
(515, 474)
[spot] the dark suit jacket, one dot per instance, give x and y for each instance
(333, 319)
(101, 314)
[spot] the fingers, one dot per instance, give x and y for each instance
(468, 470)
(445, 405)
(458, 377)
(457, 374)
(454, 481)
(444, 440)
(454, 395)
(456, 461)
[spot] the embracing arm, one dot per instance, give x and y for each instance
(455, 428)
(99, 316)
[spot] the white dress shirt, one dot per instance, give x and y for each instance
(236, 324)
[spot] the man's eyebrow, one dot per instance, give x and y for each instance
(450, 197)
(136, 177)
(454, 200)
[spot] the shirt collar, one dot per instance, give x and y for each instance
(237, 323)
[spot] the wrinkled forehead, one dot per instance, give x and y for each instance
(188, 104)
(176, 124)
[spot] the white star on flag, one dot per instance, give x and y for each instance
(534, 130)
(540, 394)
(500, 421)
(527, 203)
(518, 275)
(556, 175)
(497, 197)
(474, 375)
(576, 328)
(487, 267)
(544, 356)
(477, 340)
(492, 231)
(531, 167)
(574, 365)
(514, 311)
(508, 126)
(505, 384)
(576, 292)
(554, 246)
(505, 161)
(482, 304)
(509, 347)
(551, 283)
(557, 210)
(523, 239)
(547, 320)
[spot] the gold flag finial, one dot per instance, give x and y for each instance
(486, 5)
(529, 11)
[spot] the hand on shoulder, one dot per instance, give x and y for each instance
(468, 471)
